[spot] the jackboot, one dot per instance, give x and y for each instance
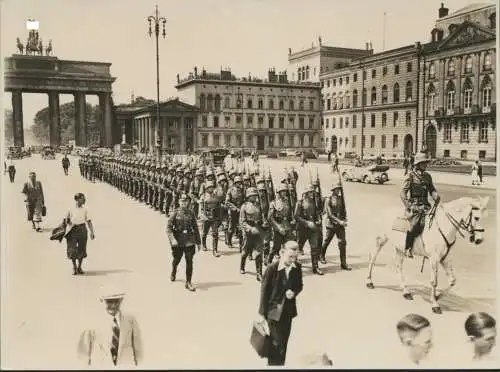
(409, 244)
(258, 267)
(214, 248)
(322, 256)
(343, 256)
(190, 287)
(174, 273)
(315, 268)
(242, 265)
(204, 243)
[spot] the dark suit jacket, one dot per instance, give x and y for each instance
(273, 302)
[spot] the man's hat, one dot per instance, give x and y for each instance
(421, 158)
(210, 184)
(336, 185)
(251, 191)
(281, 187)
(111, 292)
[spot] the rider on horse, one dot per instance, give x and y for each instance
(415, 191)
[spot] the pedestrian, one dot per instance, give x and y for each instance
(481, 332)
(281, 284)
(415, 334)
(184, 237)
(329, 156)
(480, 171)
(35, 201)
(77, 220)
(114, 339)
(65, 164)
(12, 171)
(406, 164)
(474, 174)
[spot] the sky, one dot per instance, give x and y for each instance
(249, 36)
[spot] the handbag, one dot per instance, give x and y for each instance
(59, 232)
(260, 341)
(401, 224)
(44, 211)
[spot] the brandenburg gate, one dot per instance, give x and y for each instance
(34, 72)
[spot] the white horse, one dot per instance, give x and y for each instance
(462, 216)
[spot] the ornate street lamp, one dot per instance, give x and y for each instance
(156, 20)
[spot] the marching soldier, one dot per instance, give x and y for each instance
(308, 224)
(320, 205)
(210, 206)
(270, 186)
(336, 222)
(235, 198)
(264, 207)
(194, 191)
(251, 221)
(281, 219)
(183, 235)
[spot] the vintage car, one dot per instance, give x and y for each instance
(367, 174)
(48, 153)
(15, 152)
(215, 156)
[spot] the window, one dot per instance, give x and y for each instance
(249, 140)
(464, 132)
(290, 140)
(281, 140)
(327, 123)
(447, 133)
(204, 122)
(408, 118)
(450, 96)
(239, 101)
(341, 123)
(431, 99)
(483, 132)
(340, 142)
(328, 104)
(340, 81)
(354, 121)
(260, 104)
(347, 100)
(216, 140)
(467, 94)
(291, 105)
(204, 140)
(282, 105)
(355, 77)
(301, 123)
(384, 120)
(311, 140)
(227, 121)
(202, 102)
(384, 70)
(311, 105)
(301, 105)
(271, 141)
(364, 75)
(383, 141)
(395, 119)
(446, 153)
(328, 83)
(395, 93)
(482, 154)
(238, 120)
(374, 96)
(301, 140)
(432, 71)
(409, 67)
(346, 141)
(216, 122)
(364, 97)
(282, 122)
(372, 119)
(249, 103)
(396, 69)
(347, 80)
(487, 62)
(409, 89)
(346, 122)
(353, 142)
(451, 68)
(385, 95)
(395, 143)
(486, 93)
(334, 82)
(260, 122)
(311, 123)
(355, 98)
(227, 140)
(238, 140)
(468, 65)
(463, 154)
(271, 104)
(334, 123)
(374, 74)
(217, 103)
(227, 102)
(363, 120)
(270, 121)
(291, 122)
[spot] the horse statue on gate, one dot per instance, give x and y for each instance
(443, 223)
(20, 46)
(34, 44)
(48, 49)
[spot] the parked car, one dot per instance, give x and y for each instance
(15, 152)
(48, 153)
(366, 174)
(309, 154)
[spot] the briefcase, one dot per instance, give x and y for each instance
(401, 224)
(44, 211)
(260, 340)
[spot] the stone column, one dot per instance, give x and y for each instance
(152, 142)
(55, 122)
(17, 118)
(182, 134)
(80, 119)
(106, 117)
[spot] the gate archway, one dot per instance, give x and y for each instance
(431, 141)
(334, 144)
(408, 144)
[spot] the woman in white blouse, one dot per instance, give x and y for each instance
(77, 220)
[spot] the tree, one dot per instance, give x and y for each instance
(9, 127)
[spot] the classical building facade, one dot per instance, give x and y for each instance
(266, 115)
(178, 122)
(459, 112)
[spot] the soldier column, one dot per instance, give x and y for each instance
(17, 117)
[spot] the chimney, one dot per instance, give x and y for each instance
(195, 71)
(443, 12)
(132, 97)
(271, 75)
(371, 46)
(434, 35)
(440, 35)
(367, 46)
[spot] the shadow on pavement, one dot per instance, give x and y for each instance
(104, 272)
(209, 285)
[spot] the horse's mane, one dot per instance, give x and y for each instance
(459, 204)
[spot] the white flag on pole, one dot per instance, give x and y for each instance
(32, 24)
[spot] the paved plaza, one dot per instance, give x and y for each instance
(45, 307)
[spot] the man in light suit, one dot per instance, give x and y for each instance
(281, 284)
(115, 340)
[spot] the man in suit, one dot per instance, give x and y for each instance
(281, 284)
(115, 339)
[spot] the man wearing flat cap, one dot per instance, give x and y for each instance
(115, 340)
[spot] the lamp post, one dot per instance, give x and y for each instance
(156, 19)
(239, 100)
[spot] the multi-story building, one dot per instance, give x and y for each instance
(266, 115)
(459, 111)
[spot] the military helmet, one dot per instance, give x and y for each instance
(221, 178)
(232, 172)
(281, 187)
(237, 179)
(187, 172)
(210, 173)
(246, 177)
(421, 158)
(183, 197)
(199, 172)
(259, 180)
(261, 186)
(251, 191)
(308, 189)
(316, 182)
(209, 184)
(336, 185)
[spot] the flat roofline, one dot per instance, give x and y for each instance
(296, 85)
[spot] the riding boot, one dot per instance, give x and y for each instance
(229, 238)
(258, 267)
(204, 243)
(343, 256)
(215, 244)
(242, 264)
(315, 268)
(189, 275)
(409, 244)
(174, 273)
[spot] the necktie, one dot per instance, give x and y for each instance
(115, 341)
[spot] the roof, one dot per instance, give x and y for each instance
(170, 105)
(468, 9)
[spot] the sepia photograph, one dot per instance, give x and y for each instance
(252, 184)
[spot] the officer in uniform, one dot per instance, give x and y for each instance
(183, 235)
(308, 225)
(251, 224)
(210, 210)
(281, 219)
(415, 192)
(336, 222)
(235, 198)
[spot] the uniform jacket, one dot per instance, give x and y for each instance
(280, 214)
(274, 286)
(416, 189)
(306, 211)
(334, 211)
(95, 344)
(250, 217)
(34, 193)
(182, 227)
(210, 206)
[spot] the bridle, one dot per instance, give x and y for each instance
(463, 226)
